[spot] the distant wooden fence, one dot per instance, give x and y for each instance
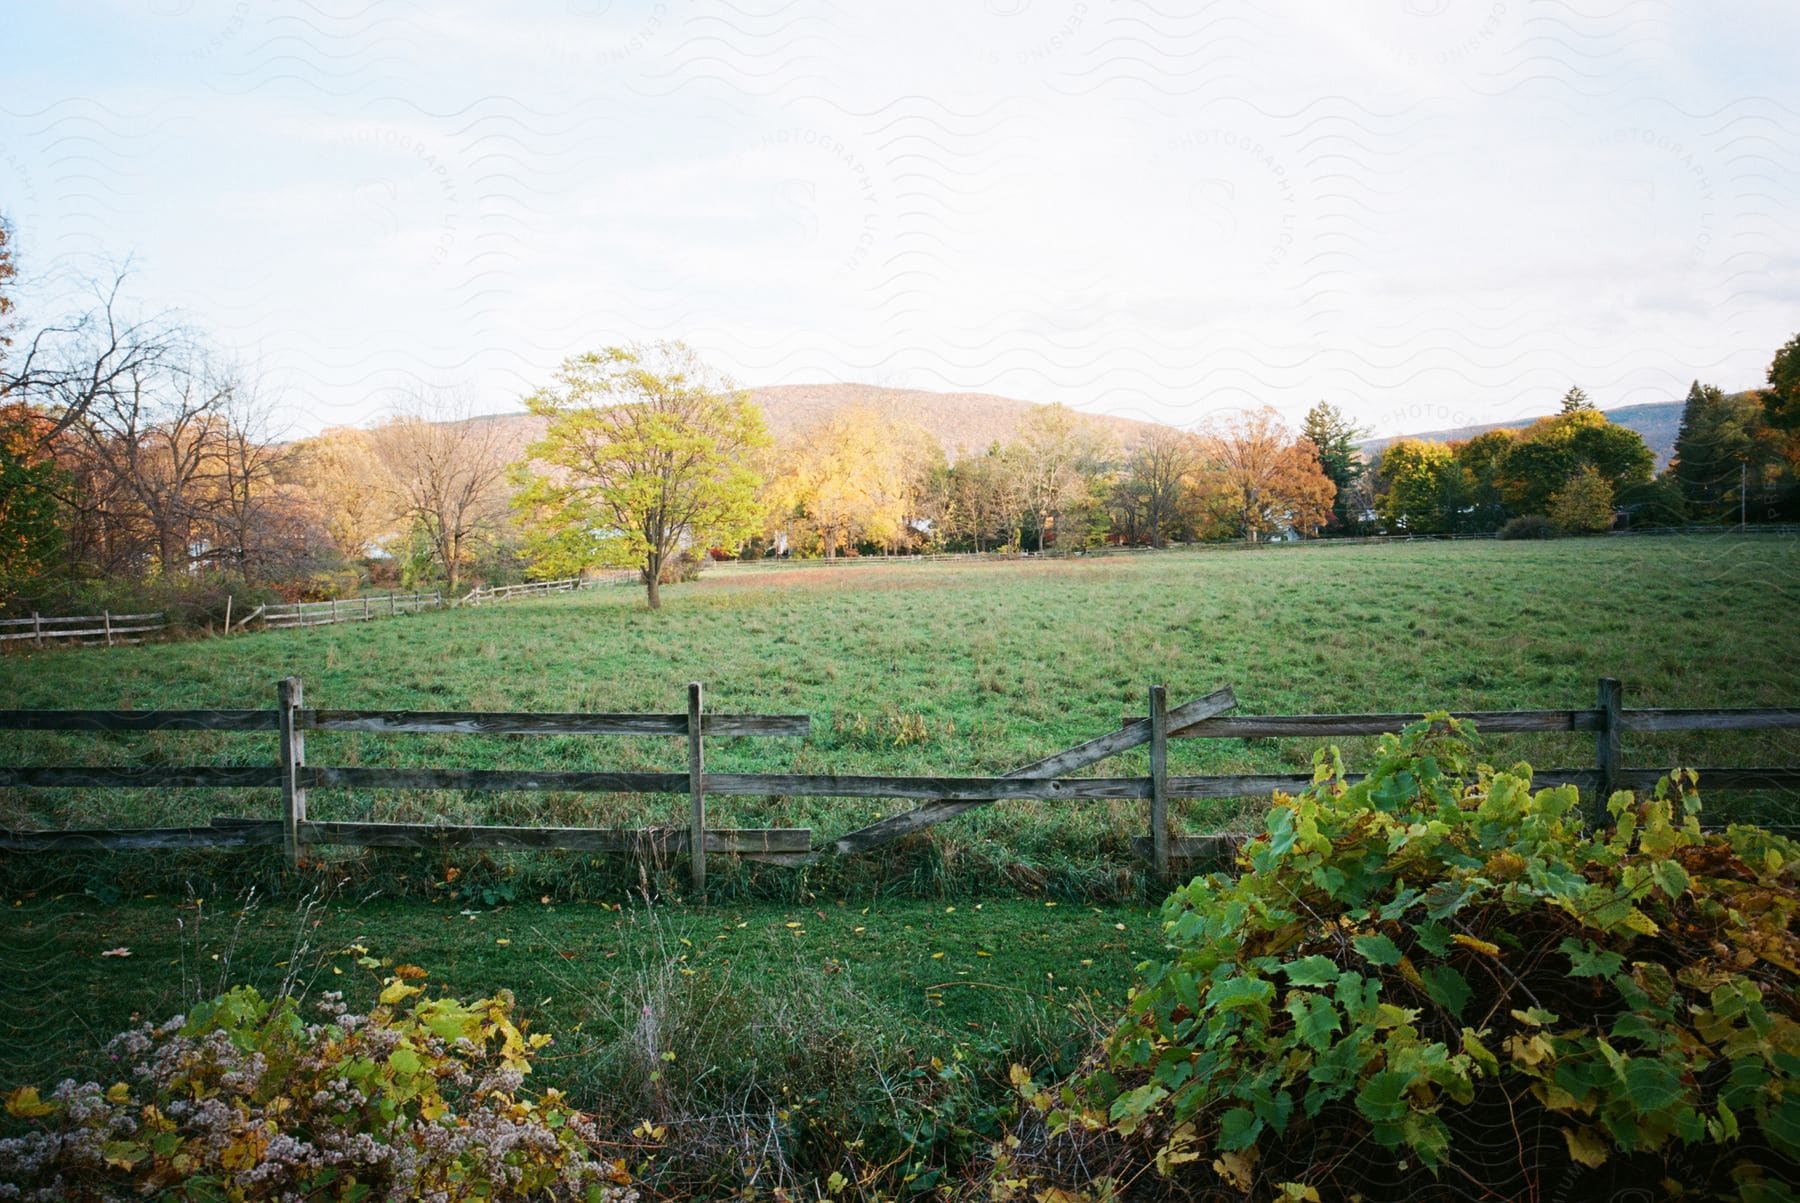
(941, 798)
(348, 609)
(732, 567)
(476, 597)
(103, 629)
(773, 563)
(107, 629)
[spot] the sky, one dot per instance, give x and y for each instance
(1430, 212)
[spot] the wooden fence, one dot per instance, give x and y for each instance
(348, 609)
(732, 567)
(941, 798)
(100, 630)
(476, 597)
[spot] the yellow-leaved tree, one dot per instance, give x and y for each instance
(647, 453)
(846, 479)
(1584, 505)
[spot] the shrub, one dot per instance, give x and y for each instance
(324, 584)
(189, 602)
(680, 568)
(1437, 973)
(1528, 526)
(1585, 504)
(244, 1100)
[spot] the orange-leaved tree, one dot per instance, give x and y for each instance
(1260, 480)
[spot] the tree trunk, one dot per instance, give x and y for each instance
(168, 551)
(653, 580)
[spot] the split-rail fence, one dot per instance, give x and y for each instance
(940, 798)
(102, 629)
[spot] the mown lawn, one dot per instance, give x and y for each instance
(952, 669)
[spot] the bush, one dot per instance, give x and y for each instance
(244, 1100)
(1437, 974)
(1528, 526)
(1585, 504)
(680, 568)
(190, 602)
(324, 585)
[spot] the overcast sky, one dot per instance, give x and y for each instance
(1432, 212)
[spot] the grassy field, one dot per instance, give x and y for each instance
(857, 1017)
(966, 669)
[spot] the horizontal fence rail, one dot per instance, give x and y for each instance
(572, 584)
(103, 629)
(941, 797)
(732, 566)
(347, 609)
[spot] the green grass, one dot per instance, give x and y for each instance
(954, 669)
(826, 1030)
(821, 1020)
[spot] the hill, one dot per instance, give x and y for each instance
(965, 423)
(1657, 423)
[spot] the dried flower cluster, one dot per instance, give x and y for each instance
(244, 1099)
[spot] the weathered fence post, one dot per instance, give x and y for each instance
(37, 630)
(365, 607)
(393, 610)
(106, 619)
(1159, 780)
(1609, 746)
(293, 759)
(696, 792)
(334, 617)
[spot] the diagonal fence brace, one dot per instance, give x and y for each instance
(1133, 734)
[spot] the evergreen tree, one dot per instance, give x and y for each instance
(1716, 450)
(1574, 401)
(1335, 437)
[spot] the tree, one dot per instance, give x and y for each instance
(255, 524)
(648, 452)
(1551, 450)
(30, 532)
(1483, 461)
(847, 478)
(1156, 492)
(152, 439)
(348, 487)
(1056, 451)
(1424, 487)
(1782, 400)
(9, 270)
(1718, 450)
(1575, 401)
(448, 471)
(1259, 480)
(96, 357)
(1585, 503)
(985, 497)
(1335, 437)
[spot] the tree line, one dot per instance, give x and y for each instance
(1736, 459)
(135, 456)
